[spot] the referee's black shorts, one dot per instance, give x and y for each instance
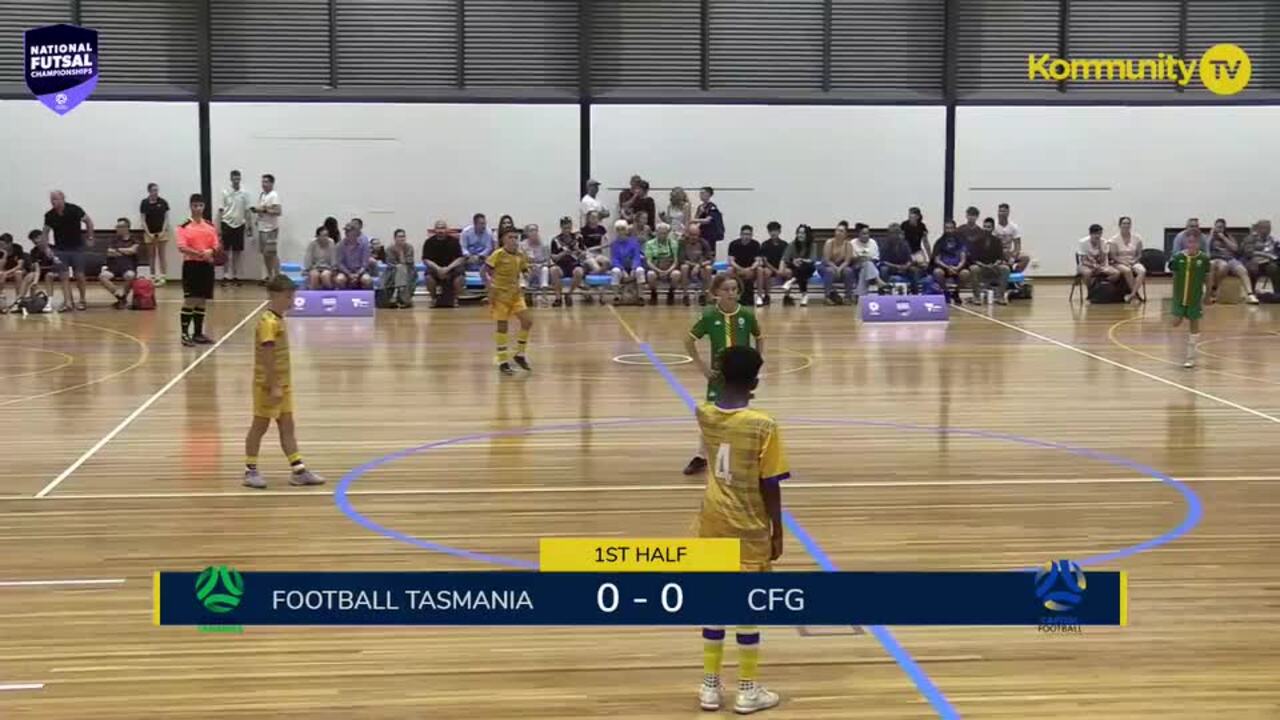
(197, 280)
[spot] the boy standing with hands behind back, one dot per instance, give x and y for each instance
(1190, 268)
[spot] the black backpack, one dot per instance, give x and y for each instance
(35, 303)
(1154, 261)
(1102, 292)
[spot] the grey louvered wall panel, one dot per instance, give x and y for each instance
(993, 39)
(17, 16)
(397, 43)
(1136, 29)
(888, 47)
(279, 43)
(1254, 25)
(145, 42)
(756, 44)
(654, 44)
(521, 44)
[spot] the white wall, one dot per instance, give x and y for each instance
(1159, 165)
(400, 165)
(102, 155)
(814, 165)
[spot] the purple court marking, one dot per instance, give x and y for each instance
(923, 683)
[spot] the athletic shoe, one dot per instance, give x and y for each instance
(202, 339)
(709, 698)
(187, 341)
(523, 362)
(786, 286)
(759, 300)
(306, 477)
(568, 300)
(558, 302)
(1251, 299)
(755, 700)
(254, 479)
(695, 466)
(686, 300)
(671, 297)
(505, 369)
(833, 298)
(768, 299)
(121, 302)
(1189, 363)
(787, 300)
(804, 300)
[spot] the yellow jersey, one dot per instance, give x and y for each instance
(745, 449)
(271, 330)
(506, 270)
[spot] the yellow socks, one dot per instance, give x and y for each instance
(522, 341)
(712, 655)
(296, 464)
(504, 351)
(748, 657)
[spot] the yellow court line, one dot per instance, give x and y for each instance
(625, 325)
(1200, 349)
(1111, 336)
(142, 359)
(1124, 598)
(155, 598)
(67, 360)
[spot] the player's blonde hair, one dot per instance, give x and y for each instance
(719, 280)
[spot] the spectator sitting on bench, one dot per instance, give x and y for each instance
(837, 258)
(627, 259)
(1010, 240)
(567, 256)
(917, 236)
(320, 260)
(11, 261)
(1227, 259)
(1095, 259)
(477, 245)
(356, 266)
(987, 263)
(122, 264)
(443, 258)
(662, 255)
(595, 242)
(1180, 240)
(1260, 252)
(798, 264)
(770, 264)
(696, 256)
(1125, 251)
(896, 260)
(402, 272)
(538, 252)
(43, 263)
(866, 253)
(950, 256)
(744, 261)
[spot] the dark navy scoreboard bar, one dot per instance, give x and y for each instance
(1055, 595)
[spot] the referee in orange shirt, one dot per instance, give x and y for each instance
(197, 241)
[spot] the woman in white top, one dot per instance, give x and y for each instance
(678, 212)
(1125, 250)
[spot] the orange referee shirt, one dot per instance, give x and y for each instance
(197, 235)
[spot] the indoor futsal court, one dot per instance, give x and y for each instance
(992, 442)
(639, 359)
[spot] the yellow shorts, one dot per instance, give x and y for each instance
(756, 547)
(502, 311)
(150, 238)
(263, 407)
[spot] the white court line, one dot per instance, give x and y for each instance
(21, 686)
(552, 489)
(59, 583)
(1122, 366)
(143, 407)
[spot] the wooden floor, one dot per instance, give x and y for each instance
(163, 493)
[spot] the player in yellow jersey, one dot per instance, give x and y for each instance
(273, 388)
(503, 270)
(743, 501)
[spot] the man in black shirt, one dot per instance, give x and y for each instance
(970, 231)
(770, 265)
(710, 219)
(896, 260)
(642, 203)
(122, 263)
(987, 262)
(155, 230)
(442, 257)
(744, 259)
(63, 221)
(11, 260)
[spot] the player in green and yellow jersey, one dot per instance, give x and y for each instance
(743, 500)
(1190, 269)
(725, 324)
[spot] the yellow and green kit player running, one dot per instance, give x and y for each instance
(1190, 269)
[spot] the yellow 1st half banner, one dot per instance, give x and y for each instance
(639, 555)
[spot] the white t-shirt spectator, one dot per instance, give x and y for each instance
(234, 212)
(1093, 256)
(266, 221)
(592, 205)
(869, 249)
(1007, 234)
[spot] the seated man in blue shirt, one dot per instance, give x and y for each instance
(627, 258)
(950, 257)
(895, 259)
(477, 245)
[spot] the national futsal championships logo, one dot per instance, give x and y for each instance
(219, 588)
(1060, 587)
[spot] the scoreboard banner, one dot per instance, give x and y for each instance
(1058, 593)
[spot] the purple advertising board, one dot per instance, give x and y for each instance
(904, 308)
(332, 303)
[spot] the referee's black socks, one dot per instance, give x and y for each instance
(188, 314)
(197, 319)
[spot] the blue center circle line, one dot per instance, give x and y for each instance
(1194, 513)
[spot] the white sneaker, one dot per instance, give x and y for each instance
(254, 479)
(804, 300)
(709, 698)
(759, 301)
(306, 477)
(1189, 363)
(787, 285)
(754, 700)
(1251, 299)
